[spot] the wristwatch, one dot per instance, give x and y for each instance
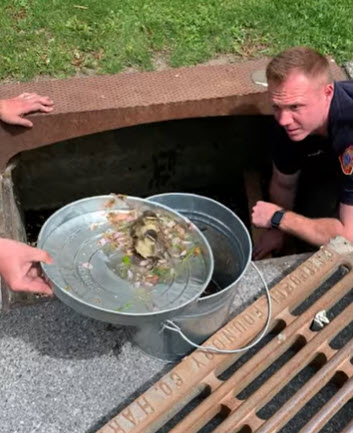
(277, 218)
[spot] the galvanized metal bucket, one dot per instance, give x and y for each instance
(231, 245)
(84, 273)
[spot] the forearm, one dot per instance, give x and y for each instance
(314, 231)
(281, 192)
(283, 197)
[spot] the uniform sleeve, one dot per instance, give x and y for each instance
(284, 152)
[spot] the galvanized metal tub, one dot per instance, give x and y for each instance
(97, 290)
(231, 245)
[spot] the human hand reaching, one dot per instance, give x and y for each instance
(20, 267)
(262, 213)
(12, 110)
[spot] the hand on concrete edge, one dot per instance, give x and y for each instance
(12, 110)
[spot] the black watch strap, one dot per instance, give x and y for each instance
(277, 218)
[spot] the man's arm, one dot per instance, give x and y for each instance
(282, 192)
(319, 231)
(283, 188)
(316, 231)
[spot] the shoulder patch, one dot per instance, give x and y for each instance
(346, 160)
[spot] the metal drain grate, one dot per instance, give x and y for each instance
(223, 410)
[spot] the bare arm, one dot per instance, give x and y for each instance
(319, 231)
(283, 188)
(282, 192)
(316, 231)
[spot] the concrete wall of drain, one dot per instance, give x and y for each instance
(185, 155)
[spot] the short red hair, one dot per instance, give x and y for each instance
(303, 59)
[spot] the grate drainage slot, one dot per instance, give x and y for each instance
(215, 421)
(298, 344)
(348, 429)
(245, 357)
(291, 388)
(244, 429)
(341, 420)
(313, 406)
(343, 303)
(188, 407)
(332, 279)
(341, 339)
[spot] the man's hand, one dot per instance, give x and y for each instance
(262, 213)
(270, 240)
(20, 268)
(12, 110)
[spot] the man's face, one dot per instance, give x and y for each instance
(301, 104)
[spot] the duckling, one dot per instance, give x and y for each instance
(147, 221)
(147, 236)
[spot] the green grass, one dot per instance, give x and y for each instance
(65, 37)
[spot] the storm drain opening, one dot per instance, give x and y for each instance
(206, 156)
(224, 158)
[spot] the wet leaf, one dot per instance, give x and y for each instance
(126, 260)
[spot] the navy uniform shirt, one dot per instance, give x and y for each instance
(290, 156)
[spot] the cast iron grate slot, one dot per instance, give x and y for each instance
(244, 429)
(321, 290)
(271, 370)
(290, 389)
(342, 338)
(185, 410)
(313, 406)
(215, 421)
(250, 353)
(341, 420)
(340, 306)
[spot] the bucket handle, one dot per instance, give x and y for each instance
(169, 324)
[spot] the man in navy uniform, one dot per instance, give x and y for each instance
(314, 122)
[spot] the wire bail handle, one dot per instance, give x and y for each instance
(171, 326)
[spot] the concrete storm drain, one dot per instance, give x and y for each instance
(260, 391)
